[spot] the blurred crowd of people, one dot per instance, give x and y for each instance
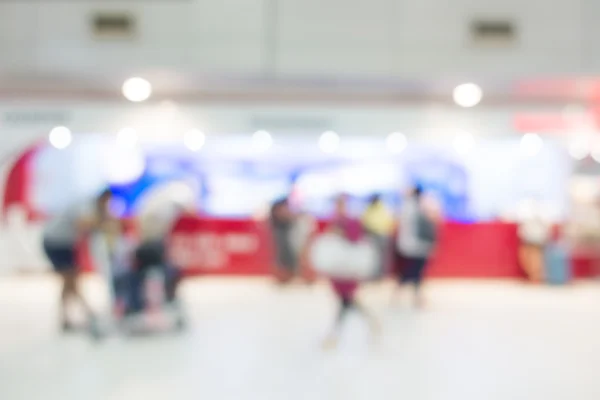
(125, 261)
(400, 243)
(405, 237)
(347, 249)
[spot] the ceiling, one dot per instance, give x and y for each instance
(362, 51)
(181, 87)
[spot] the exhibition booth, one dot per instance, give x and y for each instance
(230, 163)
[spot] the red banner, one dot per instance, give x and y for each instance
(243, 247)
(205, 246)
(554, 122)
(223, 247)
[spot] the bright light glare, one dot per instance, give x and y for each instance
(467, 95)
(396, 142)
(531, 144)
(125, 164)
(579, 148)
(595, 153)
(137, 89)
(60, 137)
(262, 140)
(329, 142)
(464, 143)
(194, 139)
(127, 137)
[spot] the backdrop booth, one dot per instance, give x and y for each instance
(232, 182)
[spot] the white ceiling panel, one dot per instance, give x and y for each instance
(335, 37)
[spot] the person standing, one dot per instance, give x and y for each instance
(305, 226)
(345, 289)
(61, 236)
(282, 223)
(416, 239)
(534, 235)
(378, 222)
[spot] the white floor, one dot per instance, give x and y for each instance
(251, 340)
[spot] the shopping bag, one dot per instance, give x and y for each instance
(335, 256)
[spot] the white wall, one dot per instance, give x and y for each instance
(22, 122)
(406, 38)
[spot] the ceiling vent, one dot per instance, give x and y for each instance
(493, 32)
(113, 25)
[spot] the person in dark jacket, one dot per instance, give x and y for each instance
(282, 223)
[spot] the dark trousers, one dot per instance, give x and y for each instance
(413, 271)
(346, 304)
(131, 287)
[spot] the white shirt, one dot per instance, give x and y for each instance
(62, 228)
(534, 232)
(408, 243)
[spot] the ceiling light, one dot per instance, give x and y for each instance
(467, 95)
(262, 140)
(329, 142)
(531, 144)
(396, 142)
(60, 137)
(137, 89)
(579, 147)
(194, 139)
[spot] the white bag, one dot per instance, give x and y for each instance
(335, 256)
(534, 232)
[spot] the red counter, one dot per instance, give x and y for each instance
(210, 246)
(243, 247)
(482, 250)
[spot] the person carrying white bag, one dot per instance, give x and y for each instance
(346, 256)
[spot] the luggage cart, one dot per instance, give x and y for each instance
(142, 292)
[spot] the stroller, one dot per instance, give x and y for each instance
(145, 290)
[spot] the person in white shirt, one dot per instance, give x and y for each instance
(61, 236)
(534, 233)
(415, 242)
